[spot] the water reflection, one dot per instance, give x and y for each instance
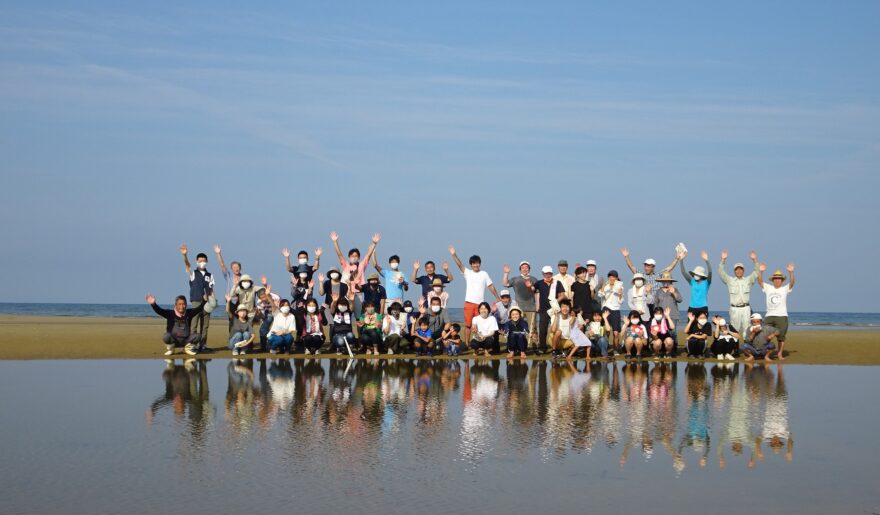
(692, 415)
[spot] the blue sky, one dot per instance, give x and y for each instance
(514, 130)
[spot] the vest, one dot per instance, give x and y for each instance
(198, 287)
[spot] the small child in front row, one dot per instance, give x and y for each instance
(423, 338)
(451, 340)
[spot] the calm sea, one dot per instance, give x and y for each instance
(805, 319)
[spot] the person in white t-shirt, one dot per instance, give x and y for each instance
(777, 301)
(485, 329)
(476, 282)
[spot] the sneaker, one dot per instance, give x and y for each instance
(169, 352)
(190, 350)
(391, 351)
(339, 353)
(273, 351)
(235, 351)
(308, 352)
(728, 357)
(317, 351)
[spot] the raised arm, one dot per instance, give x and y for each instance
(455, 258)
(449, 277)
(705, 256)
(416, 266)
(670, 266)
(371, 252)
(629, 263)
(218, 251)
(184, 250)
(790, 269)
(761, 269)
(318, 253)
(335, 239)
(754, 275)
(721, 272)
(321, 285)
(505, 277)
(286, 253)
(376, 264)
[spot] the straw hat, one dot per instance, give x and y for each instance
(666, 277)
(437, 282)
(778, 275)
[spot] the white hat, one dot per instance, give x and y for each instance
(756, 316)
(699, 271)
(650, 261)
(547, 270)
(638, 276)
(591, 262)
(502, 293)
(721, 322)
(521, 263)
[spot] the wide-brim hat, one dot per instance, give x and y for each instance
(245, 277)
(699, 271)
(778, 275)
(333, 270)
(666, 277)
(437, 282)
(638, 276)
(514, 308)
(372, 276)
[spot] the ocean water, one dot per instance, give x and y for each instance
(806, 320)
(424, 436)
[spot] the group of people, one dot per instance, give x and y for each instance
(355, 310)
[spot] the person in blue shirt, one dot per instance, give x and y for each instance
(395, 282)
(427, 281)
(700, 279)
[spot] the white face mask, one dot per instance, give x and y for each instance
(285, 309)
(408, 309)
(245, 284)
(634, 321)
(394, 266)
(334, 277)
(438, 289)
(435, 309)
(639, 283)
(658, 317)
(303, 261)
(311, 309)
(343, 309)
(202, 265)
(303, 275)
(702, 321)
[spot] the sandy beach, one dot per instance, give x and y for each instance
(38, 337)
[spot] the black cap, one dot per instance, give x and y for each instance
(614, 273)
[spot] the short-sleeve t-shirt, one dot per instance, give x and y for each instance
(696, 329)
(476, 282)
(580, 293)
(427, 282)
(393, 289)
(485, 327)
(777, 300)
(525, 297)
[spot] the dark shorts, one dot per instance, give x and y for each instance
(781, 325)
(614, 320)
(697, 311)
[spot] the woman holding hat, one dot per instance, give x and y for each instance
(700, 279)
(777, 302)
(438, 290)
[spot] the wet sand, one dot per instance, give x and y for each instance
(36, 337)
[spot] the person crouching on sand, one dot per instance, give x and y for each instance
(177, 323)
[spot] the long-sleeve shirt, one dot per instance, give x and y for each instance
(699, 289)
(739, 288)
(637, 299)
(283, 324)
(612, 295)
(179, 325)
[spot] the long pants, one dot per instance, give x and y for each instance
(200, 323)
(392, 342)
(281, 343)
(371, 338)
(517, 343)
(543, 329)
(188, 341)
(264, 331)
(600, 344)
(723, 345)
(313, 342)
(740, 318)
(696, 347)
(240, 336)
(339, 341)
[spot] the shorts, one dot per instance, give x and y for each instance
(470, 311)
(614, 320)
(565, 343)
(781, 325)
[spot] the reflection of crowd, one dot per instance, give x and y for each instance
(561, 407)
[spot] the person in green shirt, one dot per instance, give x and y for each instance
(739, 287)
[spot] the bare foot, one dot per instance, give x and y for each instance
(767, 358)
(749, 358)
(780, 356)
(522, 355)
(510, 354)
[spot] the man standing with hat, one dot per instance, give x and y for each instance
(526, 294)
(596, 283)
(777, 302)
(649, 275)
(700, 279)
(564, 278)
(739, 287)
(668, 297)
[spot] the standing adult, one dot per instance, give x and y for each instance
(777, 302)
(739, 288)
(549, 294)
(649, 274)
(201, 286)
(526, 295)
(700, 279)
(596, 284)
(427, 281)
(668, 297)
(354, 269)
(476, 282)
(564, 278)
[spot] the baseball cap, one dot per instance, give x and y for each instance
(739, 265)
(547, 270)
(504, 293)
(521, 263)
(591, 262)
(614, 273)
(756, 316)
(650, 261)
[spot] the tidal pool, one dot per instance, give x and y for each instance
(419, 436)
